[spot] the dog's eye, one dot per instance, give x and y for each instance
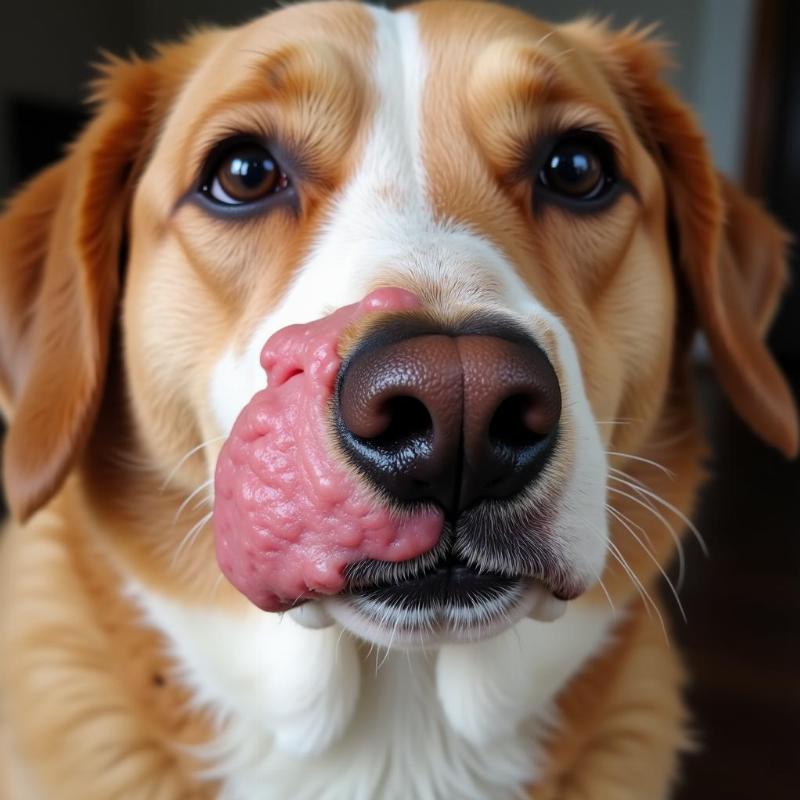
(580, 166)
(244, 173)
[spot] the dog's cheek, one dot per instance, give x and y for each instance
(169, 326)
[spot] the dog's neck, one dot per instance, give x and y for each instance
(317, 714)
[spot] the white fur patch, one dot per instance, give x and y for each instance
(488, 689)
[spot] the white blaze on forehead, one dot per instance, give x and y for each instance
(365, 226)
(382, 222)
(383, 225)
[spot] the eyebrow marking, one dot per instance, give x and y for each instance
(518, 93)
(306, 101)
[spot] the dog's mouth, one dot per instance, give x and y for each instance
(454, 597)
(443, 597)
(451, 581)
(450, 601)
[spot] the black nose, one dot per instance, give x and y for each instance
(449, 417)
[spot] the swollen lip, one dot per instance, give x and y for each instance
(289, 516)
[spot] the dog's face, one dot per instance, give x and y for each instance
(523, 201)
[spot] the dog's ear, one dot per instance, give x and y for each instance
(61, 242)
(731, 253)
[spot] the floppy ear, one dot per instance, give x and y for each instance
(61, 240)
(730, 251)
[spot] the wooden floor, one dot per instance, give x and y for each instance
(742, 639)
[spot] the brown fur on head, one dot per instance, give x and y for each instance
(62, 236)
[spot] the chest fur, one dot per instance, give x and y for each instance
(316, 714)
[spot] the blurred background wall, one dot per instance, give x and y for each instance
(740, 69)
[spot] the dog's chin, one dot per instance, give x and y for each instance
(452, 604)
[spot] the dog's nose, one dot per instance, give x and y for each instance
(450, 418)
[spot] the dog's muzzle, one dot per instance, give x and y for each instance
(398, 480)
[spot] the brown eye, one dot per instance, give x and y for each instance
(579, 167)
(244, 174)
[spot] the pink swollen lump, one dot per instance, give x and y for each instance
(288, 516)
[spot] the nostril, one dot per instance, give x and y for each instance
(516, 423)
(407, 420)
(398, 416)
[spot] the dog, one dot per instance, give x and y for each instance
(346, 361)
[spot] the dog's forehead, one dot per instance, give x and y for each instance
(336, 60)
(415, 123)
(341, 27)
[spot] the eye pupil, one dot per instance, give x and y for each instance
(579, 170)
(250, 172)
(246, 173)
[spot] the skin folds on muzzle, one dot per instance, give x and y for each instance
(288, 517)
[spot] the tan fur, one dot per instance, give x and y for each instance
(109, 388)
(622, 722)
(88, 715)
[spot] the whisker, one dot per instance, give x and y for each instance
(636, 525)
(215, 588)
(397, 619)
(608, 596)
(661, 518)
(182, 506)
(652, 557)
(185, 458)
(613, 550)
(642, 590)
(370, 651)
(677, 512)
(647, 600)
(190, 537)
(605, 592)
(642, 460)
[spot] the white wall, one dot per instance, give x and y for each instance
(719, 88)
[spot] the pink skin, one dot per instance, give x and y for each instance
(288, 517)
